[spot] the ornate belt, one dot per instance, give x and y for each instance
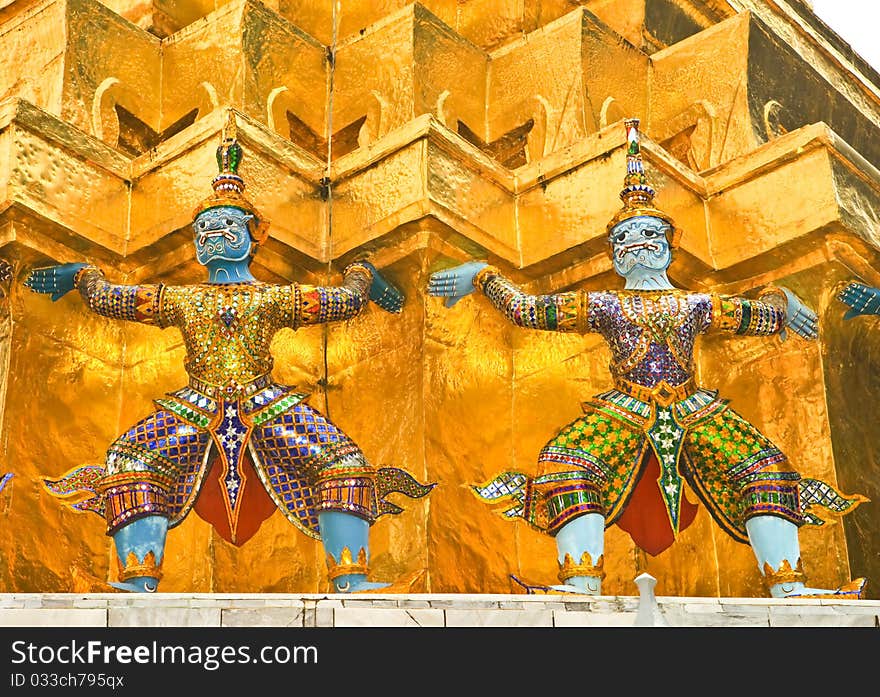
(231, 389)
(662, 393)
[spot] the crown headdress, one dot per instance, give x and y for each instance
(637, 193)
(229, 186)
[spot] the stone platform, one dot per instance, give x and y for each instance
(429, 610)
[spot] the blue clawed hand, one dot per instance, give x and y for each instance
(383, 293)
(455, 283)
(799, 318)
(862, 300)
(53, 280)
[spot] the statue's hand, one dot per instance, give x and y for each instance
(455, 283)
(385, 295)
(53, 280)
(800, 318)
(862, 300)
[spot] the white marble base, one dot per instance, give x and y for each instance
(423, 610)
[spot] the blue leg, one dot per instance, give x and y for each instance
(580, 545)
(346, 543)
(140, 547)
(777, 549)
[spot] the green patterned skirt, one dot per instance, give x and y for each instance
(595, 463)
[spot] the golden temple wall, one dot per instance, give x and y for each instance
(457, 130)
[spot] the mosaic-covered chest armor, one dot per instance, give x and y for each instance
(651, 333)
(227, 328)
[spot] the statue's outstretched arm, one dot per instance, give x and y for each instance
(861, 299)
(561, 312)
(362, 283)
(138, 303)
(776, 310)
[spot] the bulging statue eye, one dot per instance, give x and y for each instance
(620, 237)
(650, 233)
(202, 224)
(229, 222)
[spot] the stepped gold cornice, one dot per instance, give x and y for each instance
(369, 202)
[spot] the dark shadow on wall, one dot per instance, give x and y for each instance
(851, 356)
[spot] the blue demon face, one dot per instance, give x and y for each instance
(640, 246)
(221, 234)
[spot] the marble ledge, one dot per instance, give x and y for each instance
(418, 610)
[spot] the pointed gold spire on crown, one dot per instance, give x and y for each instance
(229, 185)
(637, 193)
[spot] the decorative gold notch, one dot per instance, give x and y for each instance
(134, 567)
(346, 564)
(569, 569)
(785, 574)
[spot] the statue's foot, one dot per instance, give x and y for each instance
(364, 586)
(854, 590)
(148, 585)
(530, 588)
(568, 588)
(356, 583)
(84, 582)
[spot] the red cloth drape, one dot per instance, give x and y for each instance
(645, 517)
